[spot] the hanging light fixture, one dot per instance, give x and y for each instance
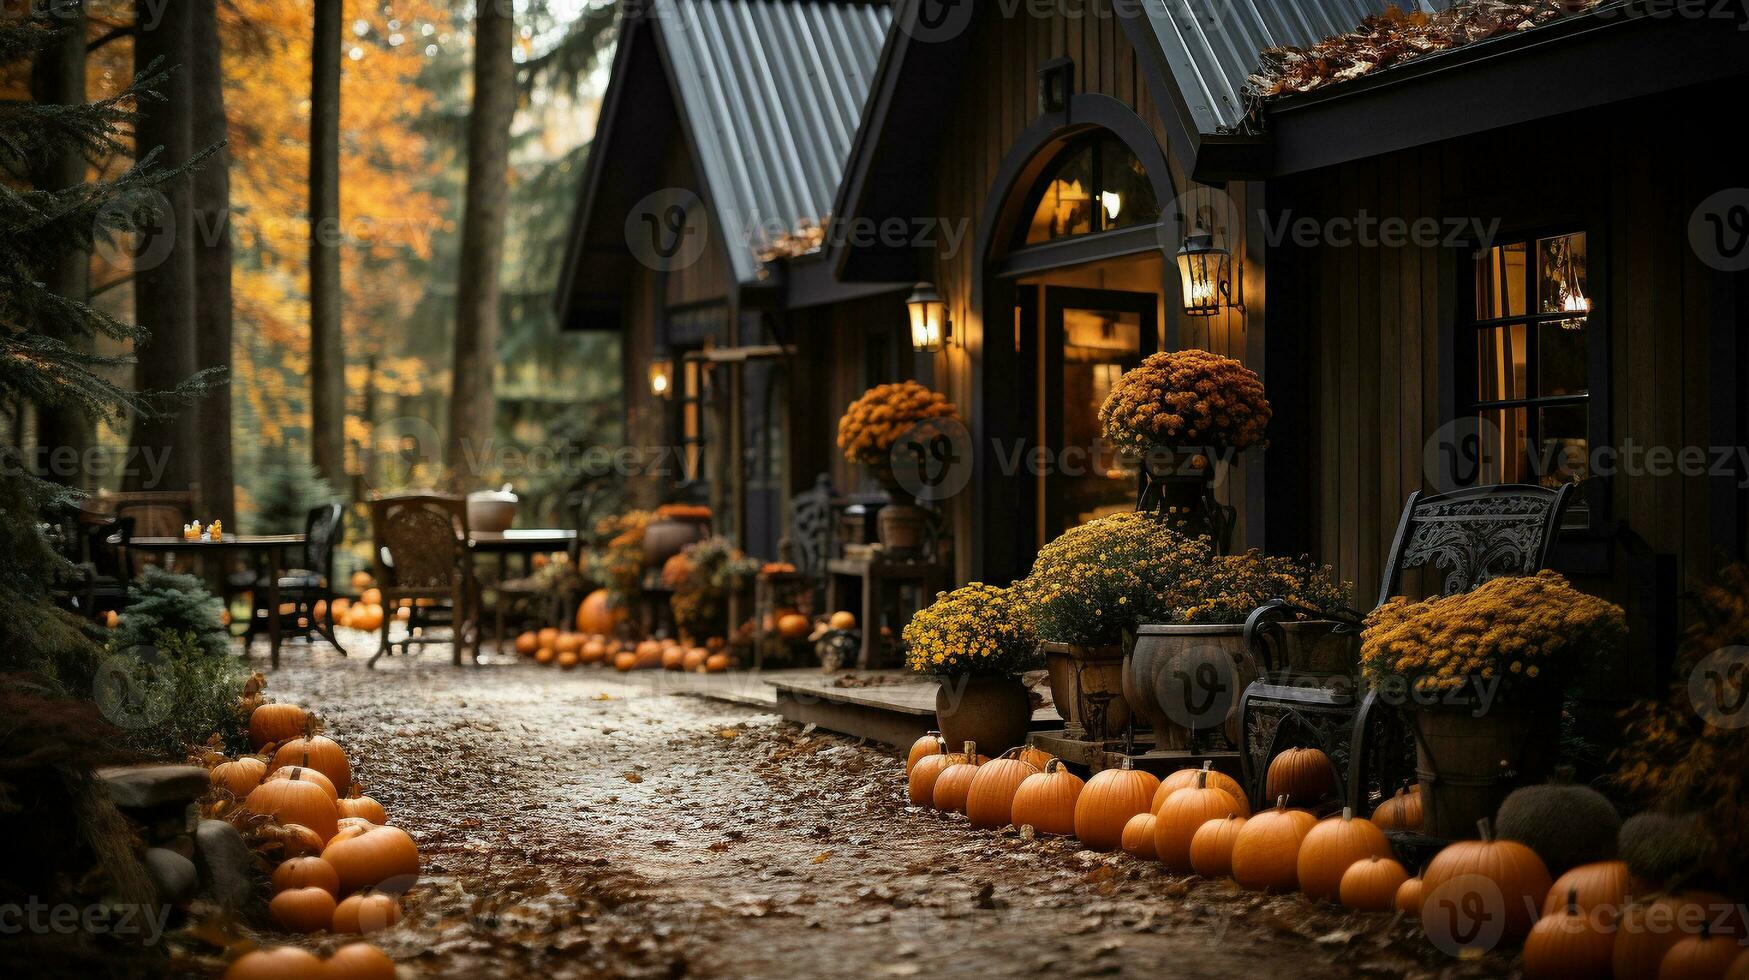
(661, 373)
(930, 329)
(1203, 273)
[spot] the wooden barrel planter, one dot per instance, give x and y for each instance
(1185, 679)
(1468, 758)
(1087, 685)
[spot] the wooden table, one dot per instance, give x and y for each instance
(875, 574)
(267, 549)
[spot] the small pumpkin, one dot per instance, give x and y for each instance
(1600, 887)
(295, 801)
(366, 912)
(1372, 885)
(624, 660)
(566, 660)
(1185, 778)
(1266, 854)
(362, 806)
(359, 961)
(270, 723)
(302, 909)
(1107, 803)
(306, 775)
(1331, 846)
(1648, 929)
(990, 801)
(239, 775)
(283, 963)
(1183, 814)
(929, 744)
(527, 643)
(1452, 878)
(920, 783)
(951, 787)
(1304, 775)
(317, 752)
(1138, 837)
(378, 857)
(842, 620)
(1703, 957)
(1211, 847)
(306, 872)
(1045, 800)
(1035, 757)
(717, 663)
(793, 626)
(1401, 812)
(1568, 943)
(296, 840)
(1409, 897)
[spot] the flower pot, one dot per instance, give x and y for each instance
(492, 511)
(1186, 679)
(904, 530)
(994, 712)
(1087, 686)
(665, 536)
(1469, 755)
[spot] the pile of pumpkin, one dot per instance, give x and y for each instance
(568, 650)
(1197, 820)
(337, 864)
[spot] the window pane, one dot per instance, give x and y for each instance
(1500, 363)
(1065, 206)
(1565, 444)
(1500, 279)
(1562, 286)
(1561, 358)
(1504, 446)
(1125, 195)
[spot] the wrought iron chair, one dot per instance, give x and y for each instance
(97, 546)
(1465, 537)
(302, 587)
(421, 547)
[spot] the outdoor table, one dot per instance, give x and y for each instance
(526, 542)
(267, 550)
(873, 576)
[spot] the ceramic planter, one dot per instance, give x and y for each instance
(1087, 686)
(994, 712)
(903, 529)
(1186, 679)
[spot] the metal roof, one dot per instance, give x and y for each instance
(1210, 46)
(771, 93)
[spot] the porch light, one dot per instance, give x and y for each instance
(930, 328)
(1203, 273)
(661, 374)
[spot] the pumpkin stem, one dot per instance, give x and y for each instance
(1202, 779)
(1347, 814)
(1573, 901)
(1487, 829)
(1207, 764)
(1126, 763)
(1281, 802)
(971, 750)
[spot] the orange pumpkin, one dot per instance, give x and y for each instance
(1107, 803)
(1266, 854)
(1649, 929)
(297, 840)
(1211, 847)
(308, 776)
(276, 723)
(596, 614)
(1304, 775)
(1401, 812)
(1185, 778)
(673, 658)
(295, 801)
(1409, 897)
(302, 909)
(366, 912)
(1331, 847)
(362, 806)
(842, 620)
(990, 800)
(920, 783)
(1568, 943)
(306, 872)
(1045, 801)
(361, 580)
(284, 963)
(239, 776)
(359, 961)
(548, 636)
(371, 597)
(1453, 879)
(545, 655)
(928, 744)
(717, 663)
(951, 787)
(379, 857)
(694, 659)
(566, 660)
(624, 660)
(317, 752)
(1035, 757)
(793, 626)
(568, 643)
(1702, 957)
(1183, 814)
(1371, 885)
(1600, 887)
(1138, 837)
(527, 643)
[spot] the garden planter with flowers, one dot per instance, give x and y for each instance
(868, 432)
(976, 641)
(1185, 414)
(1483, 672)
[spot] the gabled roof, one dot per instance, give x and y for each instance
(767, 95)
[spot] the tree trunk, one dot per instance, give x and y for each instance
(471, 404)
(212, 262)
(164, 269)
(327, 348)
(64, 434)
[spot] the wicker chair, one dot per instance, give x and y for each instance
(421, 547)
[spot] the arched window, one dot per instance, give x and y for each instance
(1095, 184)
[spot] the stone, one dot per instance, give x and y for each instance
(173, 876)
(145, 787)
(226, 865)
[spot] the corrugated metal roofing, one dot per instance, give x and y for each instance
(1212, 45)
(773, 92)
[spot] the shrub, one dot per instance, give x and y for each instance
(164, 602)
(173, 696)
(1096, 581)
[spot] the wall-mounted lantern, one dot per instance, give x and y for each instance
(930, 328)
(1203, 271)
(661, 373)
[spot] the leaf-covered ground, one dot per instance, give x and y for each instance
(577, 825)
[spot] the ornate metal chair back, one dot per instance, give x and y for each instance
(811, 528)
(323, 531)
(1469, 536)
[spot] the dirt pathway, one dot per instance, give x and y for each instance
(574, 825)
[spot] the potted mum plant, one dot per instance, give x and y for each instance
(1183, 412)
(977, 640)
(1482, 673)
(867, 433)
(1087, 592)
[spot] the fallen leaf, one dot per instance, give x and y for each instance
(729, 733)
(821, 857)
(632, 777)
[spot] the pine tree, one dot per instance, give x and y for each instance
(290, 486)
